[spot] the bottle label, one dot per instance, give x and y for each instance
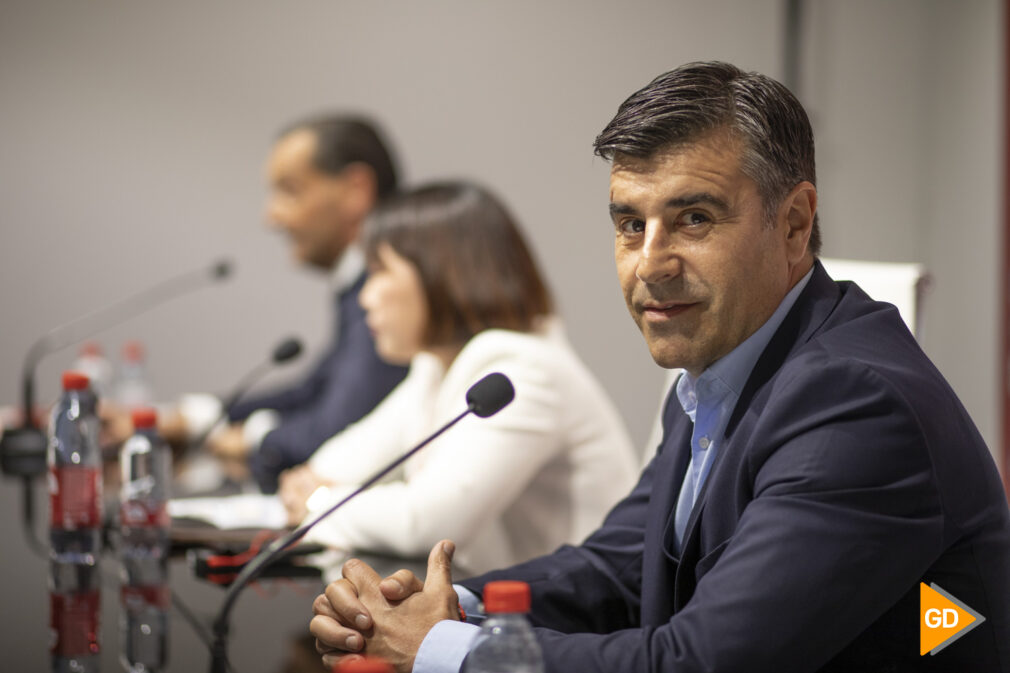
(144, 514)
(74, 497)
(73, 623)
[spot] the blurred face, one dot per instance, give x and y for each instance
(700, 268)
(318, 211)
(396, 306)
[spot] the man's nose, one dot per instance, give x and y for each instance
(659, 259)
(274, 213)
(271, 219)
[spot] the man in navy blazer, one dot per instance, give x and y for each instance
(326, 174)
(815, 466)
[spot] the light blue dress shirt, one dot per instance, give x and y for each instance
(708, 401)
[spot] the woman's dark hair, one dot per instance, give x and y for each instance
(476, 270)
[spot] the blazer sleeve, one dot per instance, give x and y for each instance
(357, 382)
(468, 476)
(843, 520)
(361, 449)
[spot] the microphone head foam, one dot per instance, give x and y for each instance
(288, 349)
(490, 395)
(221, 269)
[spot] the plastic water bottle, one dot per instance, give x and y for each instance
(146, 464)
(75, 474)
(75, 527)
(73, 618)
(143, 624)
(91, 362)
(132, 388)
(506, 643)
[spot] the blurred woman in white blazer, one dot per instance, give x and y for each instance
(454, 291)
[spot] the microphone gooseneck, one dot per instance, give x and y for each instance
(485, 398)
(87, 325)
(23, 449)
(285, 351)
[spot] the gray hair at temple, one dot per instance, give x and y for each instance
(682, 105)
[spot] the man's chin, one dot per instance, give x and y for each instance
(317, 263)
(667, 358)
(664, 348)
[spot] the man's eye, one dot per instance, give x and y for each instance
(287, 187)
(695, 219)
(630, 227)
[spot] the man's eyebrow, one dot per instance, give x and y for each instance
(689, 200)
(621, 209)
(685, 201)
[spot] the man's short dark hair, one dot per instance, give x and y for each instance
(682, 105)
(342, 140)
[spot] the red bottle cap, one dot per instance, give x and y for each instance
(91, 349)
(133, 351)
(75, 381)
(364, 665)
(506, 596)
(144, 417)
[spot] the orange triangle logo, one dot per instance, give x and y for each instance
(942, 619)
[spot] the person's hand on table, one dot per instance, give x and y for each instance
(116, 423)
(229, 446)
(228, 443)
(388, 618)
(295, 487)
(173, 429)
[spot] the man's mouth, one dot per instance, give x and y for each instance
(659, 311)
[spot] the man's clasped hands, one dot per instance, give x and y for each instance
(384, 617)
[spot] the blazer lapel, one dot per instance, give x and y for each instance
(811, 309)
(676, 457)
(659, 563)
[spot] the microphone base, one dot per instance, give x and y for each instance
(23, 452)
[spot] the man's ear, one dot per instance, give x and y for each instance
(798, 210)
(362, 191)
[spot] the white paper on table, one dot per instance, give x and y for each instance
(249, 510)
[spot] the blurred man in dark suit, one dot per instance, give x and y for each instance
(325, 174)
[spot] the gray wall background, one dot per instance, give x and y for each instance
(133, 137)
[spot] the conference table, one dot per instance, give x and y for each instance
(269, 622)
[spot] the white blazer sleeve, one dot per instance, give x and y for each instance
(469, 476)
(354, 454)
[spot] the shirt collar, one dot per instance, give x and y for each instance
(348, 269)
(729, 374)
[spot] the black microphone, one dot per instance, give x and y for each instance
(23, 449)
(285, 351)
(490, 395)
(485, 398)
